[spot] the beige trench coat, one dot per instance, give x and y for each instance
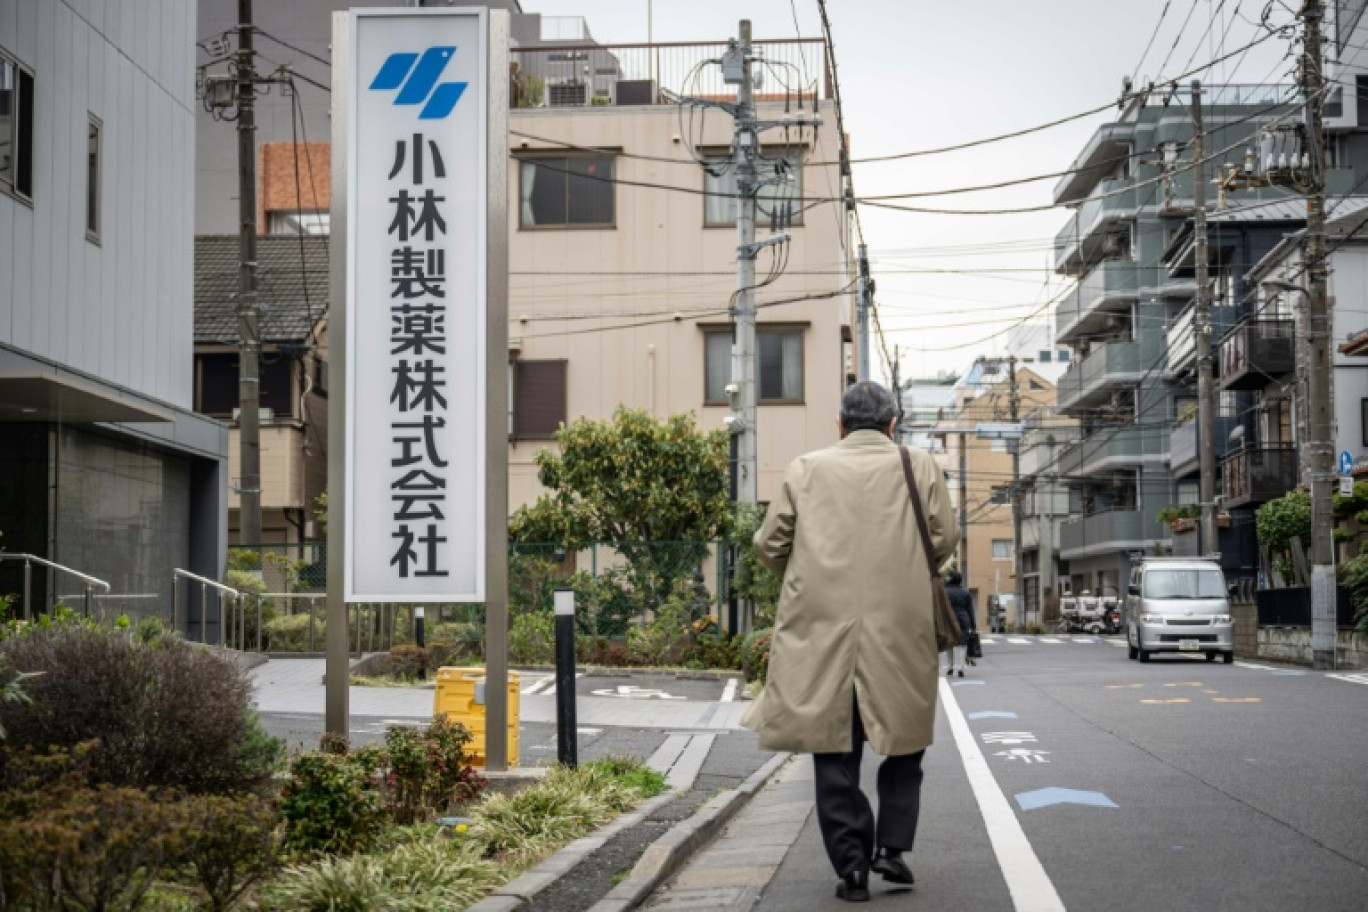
(854, 613)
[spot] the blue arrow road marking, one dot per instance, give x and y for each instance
(964, 683)
(992, 714)
(1045, 797)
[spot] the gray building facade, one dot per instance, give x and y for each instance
(107, 469)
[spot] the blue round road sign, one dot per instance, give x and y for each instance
(1346, 463)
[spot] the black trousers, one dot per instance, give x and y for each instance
(846, 819)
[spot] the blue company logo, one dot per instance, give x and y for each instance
(416, 79)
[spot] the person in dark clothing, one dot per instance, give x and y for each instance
(963, 602)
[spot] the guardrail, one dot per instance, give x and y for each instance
(31, 559)
(205, 585)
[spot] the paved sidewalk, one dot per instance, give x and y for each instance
(730, 874)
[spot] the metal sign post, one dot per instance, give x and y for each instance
(567, 729)
(418, 491)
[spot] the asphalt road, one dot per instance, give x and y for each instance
(1172, 785)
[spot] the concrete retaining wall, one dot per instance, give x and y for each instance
(1293, 644)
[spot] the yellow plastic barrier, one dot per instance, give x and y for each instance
(460, 697)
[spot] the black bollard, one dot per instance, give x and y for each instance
(566, 729)
(420, 640)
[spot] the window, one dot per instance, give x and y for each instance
(294, 221)
(16, 127)
(538, 399)
(565, 192)
(93, 131)
(775, 201)
(1044, 356)
(1002, 549)
(1064, 356)
(216, 381)
(779, 371)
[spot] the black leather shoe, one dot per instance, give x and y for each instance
(889, 863)
(854, 887)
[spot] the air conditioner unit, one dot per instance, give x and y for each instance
(567, 93)
(263, 414)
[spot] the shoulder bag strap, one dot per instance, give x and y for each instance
(917, 506)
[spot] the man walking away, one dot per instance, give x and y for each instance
(854, 651)
(962, 600)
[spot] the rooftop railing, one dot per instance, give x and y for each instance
(577, 75)
(1231, 95)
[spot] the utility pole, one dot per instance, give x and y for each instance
(1321, 444)
(862, 312)
(248, 311)
(1201, 329)
(1014, 403)
(745, 146)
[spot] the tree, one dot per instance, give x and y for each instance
(656, 490)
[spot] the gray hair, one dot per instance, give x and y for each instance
(867, 406)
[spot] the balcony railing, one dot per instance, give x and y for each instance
(1082, 238)
(1255, 352)
(1108, 288)
(1102, 533)
(586, 74)
(1107, 450)
(1090, 380)
(1185, 439)
(1257, 475)
(1236, 95)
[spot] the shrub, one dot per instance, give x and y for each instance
(290, 632)
(532, 638)
(87, 850)
(408, 661)
(166, 713)
(428, 769)
(330, 804)
(230, 843)
(755, 653)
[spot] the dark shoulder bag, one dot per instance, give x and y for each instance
(947, 627)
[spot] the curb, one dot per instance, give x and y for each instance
(664, 856)
(524, 888)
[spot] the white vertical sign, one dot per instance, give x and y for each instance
(416, 299)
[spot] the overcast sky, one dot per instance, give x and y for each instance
(920, 75)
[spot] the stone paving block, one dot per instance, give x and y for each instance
(721, 899)
(496, 904)
(528, 884)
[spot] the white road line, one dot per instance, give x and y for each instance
(1018, 641)
(1255, 667)
(986, 641)
(1088, 640)
(539, 686)
(1121, 643)
(1031, 888)
(1351, 678)
(729, 691)
(1051, 640)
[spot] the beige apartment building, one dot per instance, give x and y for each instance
(623, 268)
(980, 494)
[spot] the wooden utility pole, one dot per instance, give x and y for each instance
(1201, 330)
(248, 310)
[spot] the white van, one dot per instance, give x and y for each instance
(1178, 605)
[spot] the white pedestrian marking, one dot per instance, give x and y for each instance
(632, 692)
(1122, 643)
(729, 692)
(1255, 667)
(1029, 885)
(986, 641)
(539, 686)
(1017, 641)
(1009, 738)
(1050, 640)
(1351, 678)
(1088, 640)
(1024, 754)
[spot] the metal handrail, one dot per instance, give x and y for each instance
(30, 559)
(206, 584)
